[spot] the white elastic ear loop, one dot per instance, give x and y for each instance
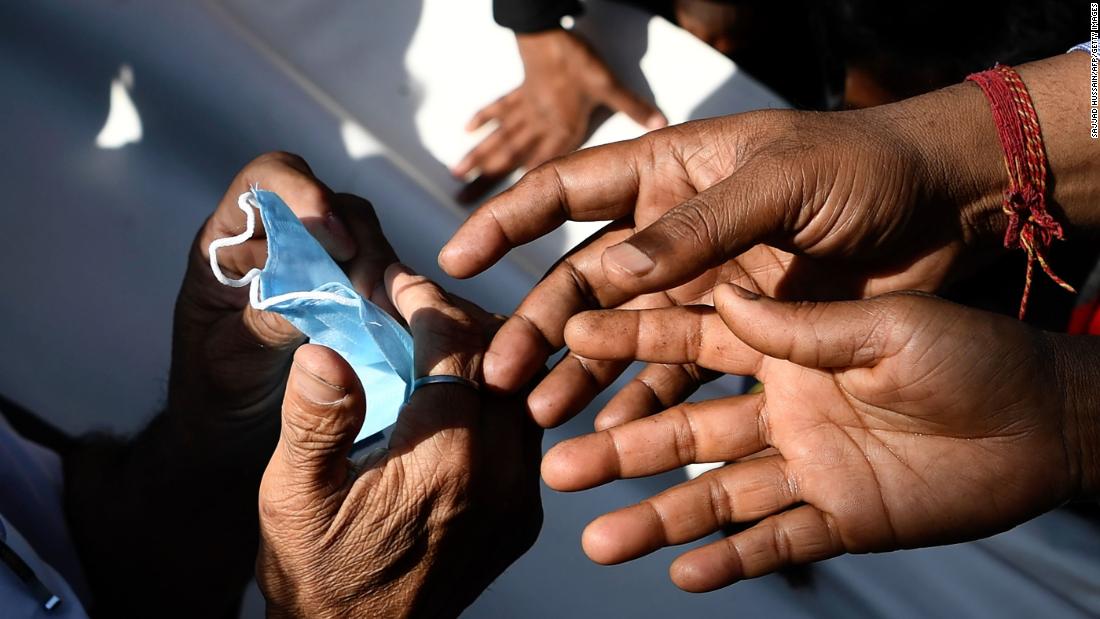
(248, 203)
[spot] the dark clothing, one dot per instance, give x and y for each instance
(525, 16)
(811, 86)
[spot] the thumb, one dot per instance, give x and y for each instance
(745, 209)
(641, 111)
(838, 334)
(323, 410)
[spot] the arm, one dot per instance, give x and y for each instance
(421, 528)
(953, 130)
(791, 204)
(548, 115)
(165, 523)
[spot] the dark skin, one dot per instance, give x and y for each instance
(886, 422)
(899, 421)
(419, 529)
(791, 204)
(565, 81)
(172, 510)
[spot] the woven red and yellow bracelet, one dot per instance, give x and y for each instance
(1030, 225)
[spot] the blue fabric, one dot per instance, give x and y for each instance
(373, 343)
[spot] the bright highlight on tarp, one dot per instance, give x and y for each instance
(123, 124)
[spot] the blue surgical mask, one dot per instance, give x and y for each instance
(304, 285)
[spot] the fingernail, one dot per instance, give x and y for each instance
(630, 259)
(655, 121)
(317, 390)
(745, 293)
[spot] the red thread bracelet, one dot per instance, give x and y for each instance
(1030, 226)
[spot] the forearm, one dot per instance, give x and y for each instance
(1075, 361)
(168, 520)
(954, 130)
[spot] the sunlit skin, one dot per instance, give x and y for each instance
(890, 422)
(691, 196)
(372, 540)
(795, 205)
(565, 81)
(418, 529)
(243, 353)
(893, 422)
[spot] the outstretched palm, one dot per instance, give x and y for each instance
(894, 422)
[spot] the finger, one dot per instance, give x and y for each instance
(573, 383)
(655, 387)
(501, 152)
(638, 109)
(710, 431)
(509, 155)
(311, 201)
(688, 334)
(534, 332)
(323, 410)
(496, 109)
(818, 335)
(747, 208)
(446, 341)
(801, 535)
(496, 142)
(594, 184)
(739, 492)
(373, 251)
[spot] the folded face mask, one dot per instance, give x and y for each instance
(304, 285)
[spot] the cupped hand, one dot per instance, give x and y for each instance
(893, 422)
(794, 205)
(420, 528)
(228, 356)
(548, 115)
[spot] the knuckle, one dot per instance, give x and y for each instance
(313, 426)
(685, 439)
(700, 222)
(721, 503)
(291, 159)
(307, 190)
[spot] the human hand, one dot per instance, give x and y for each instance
(794, 205)
(229, 357)
(894, 422)
(429, 523)
(548, 115)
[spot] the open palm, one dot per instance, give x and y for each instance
(737, 199)
(893, 422)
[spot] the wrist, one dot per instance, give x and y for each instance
(544, 46)
(1075, 375)
(961, 162)
(1059, 89)
(954, 133)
